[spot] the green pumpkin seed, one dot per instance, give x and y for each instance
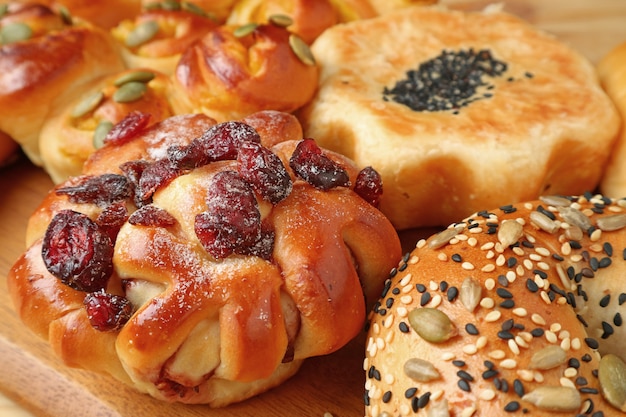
(4, 8)
(142, 34)
(130, 92)
(66, 16)
(15, 32)
(194, 8)
(170, 5)
(139, 76)
(88, 104)
(245, 30)
(612, 377)
(101, 132)
(431, 324)
(281, 20)
(155, 5)
(301, 49)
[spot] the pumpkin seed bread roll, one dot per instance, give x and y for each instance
(460, 111)
(512, 311)
(207, 266)
(46, 59)
(234, 71)
(612, 73)
(157, 37)
(77, 128)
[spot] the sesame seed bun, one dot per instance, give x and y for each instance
(509, 310)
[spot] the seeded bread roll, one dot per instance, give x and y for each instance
(612, 73)
(197, 265)
(45, 61)
(76, 129)
(156, 38)
(459, 111)
(508, 312)
(231, 73)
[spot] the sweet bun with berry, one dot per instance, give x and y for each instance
(46, 58)
(513, 311)
(459, 111)
(207, 265)
(157, 37)
(74, 131)
(612, 72)
(234, 71)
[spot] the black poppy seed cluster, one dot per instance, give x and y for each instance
(448, 81)
(519, 263)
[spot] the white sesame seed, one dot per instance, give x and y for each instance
(566, 249)
(413, 260)
(490, 255)
(404, 410)
(487, 302)
(510, 276)
(564, 334)
(518, 251)
(388, 321)
(595, 235)
(550, 336)
(595, 248)
(481, 342)
(508, 364)
(527, 336)
(492, 316)
(543, 266)
(435, 301)
(535, 257)
(462, 237)
(447, 356)
(497, 354)
(566, 382)
(519, 270)
(406, 299)
(520, 312)
(542, 251)
(487, 246)
(407, 289)
(490, 284)
(476, 230)
(521, 342)
(545, 297)
(500, 260)
(433, 286)
(442, 256)
(380, 343)
(437, 394)
(538, 376)
(488, 268)
(468, 411)
(576, 344)
(389, 337)
(556, 327)
(420, 243)
(402, 311)
(528, 264)
(487, 394)
(472, 241)
(513, 347)
(570, 372)
(576, 258)
(468, 266)
(470, 349)
(390, 378)
(406, 280)
(376, 328)
(525, 375)
(537, 319)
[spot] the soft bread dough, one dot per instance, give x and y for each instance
(546, 129)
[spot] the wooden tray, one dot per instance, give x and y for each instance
(31, 376)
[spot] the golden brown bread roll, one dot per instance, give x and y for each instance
(74, 130)
(208, 266)
(46, 61)
(217, 9)
(612, 72)
(8, 149)
(230, 74)
(156, 37)
(529, 110)
(307, 18)
(506, 313)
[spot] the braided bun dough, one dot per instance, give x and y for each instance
(509, 310)
(205, 321)
(612, 73)
(534, 108)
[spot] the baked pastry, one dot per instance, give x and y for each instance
(8, 149)
(156, 37)
(386, 6)
(46, 59)
(235, 71)
(452, 107)
(73, 132)
(208, 266)
(105, 14)
(516, 310)
(219, 10)
(306, 18)
(612, 72)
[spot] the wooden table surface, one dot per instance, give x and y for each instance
(34, 382)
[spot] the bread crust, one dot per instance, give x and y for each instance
(514, 288)
(544, 126)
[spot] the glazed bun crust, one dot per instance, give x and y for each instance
(228, 77)
(209, 328)
(612, 73)
(50, 68)
(517, 138)
(509, 310)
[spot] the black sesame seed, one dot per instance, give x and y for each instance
(575, 244)
(492, 230)
(503, 281)
(389, 302)
(607, 330)
(532, 285)
(504, 293)
(558, 257)
(464, 385)
(443, 286)
(453, 292)
(622, 298)
(586, 358)
(604, 262)
(508, 208)
(471, 329)
(594, 263)
(465, 375)
(588, 390)
(425, 299)
(545, 212)
(511, 262)
(382, 311)
(504, 385)
(366, 398)
(608, 248)
(420, 288)
(573, 363)
(507, 325)
(512, 406)
(505, 335)
(518, 387)
(581, 380)
(507, 304)
(591, 342)
(489, 374)
(458, 363)
(617, 319)
(456, 258)
(395, 291)
(488, 364)
(604, 301)
(598, 414)
(387, 396)
(423, 400)
(410, 393)
(403, 267)
(582, 320)
(414, 404)
(624, 254)
(537, 332)
(404, 328)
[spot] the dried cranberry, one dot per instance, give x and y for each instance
(128, 128)
(133, 171)
(112, 218)
(317, 169)
(152, 216)
(262, 248)
(101, 190)
(232, 220)
(154, 176)
(369, 185)
(77, 251)
(107, 312)
(264, 170)
(218, 143)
